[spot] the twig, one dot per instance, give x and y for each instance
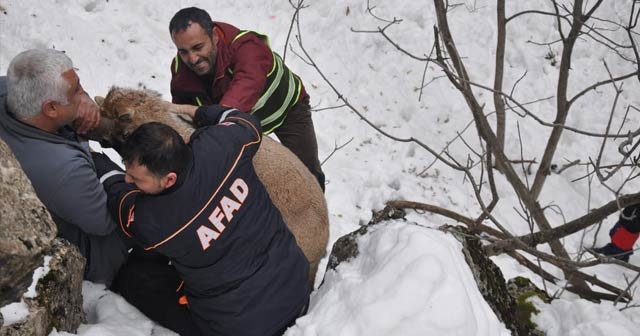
(336, 148)
(294, 18)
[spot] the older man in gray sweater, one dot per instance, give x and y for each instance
(39, 99)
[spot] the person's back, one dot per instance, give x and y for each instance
(242, 269)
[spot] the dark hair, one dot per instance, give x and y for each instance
(184, 17)
(158, 147)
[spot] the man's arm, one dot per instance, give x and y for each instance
(212, 114)
(120, 195)
(3, 85)
(122, 200)
(81, 200)
(231, 128)
(253, 60)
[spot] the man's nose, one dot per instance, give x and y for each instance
(193, 58)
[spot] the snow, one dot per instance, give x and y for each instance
(411, 279)
(401, 260)
(18, 311)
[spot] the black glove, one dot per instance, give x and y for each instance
(105, 168)
(210, 114)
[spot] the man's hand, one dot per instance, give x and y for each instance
(184, 109)
(88, 115)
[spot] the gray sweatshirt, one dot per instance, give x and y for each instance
(63, 175)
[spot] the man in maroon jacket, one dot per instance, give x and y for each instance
(217, 63)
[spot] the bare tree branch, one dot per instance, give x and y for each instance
(598, 84)
(562, 104)
(570, 227)
(487, 133)
(499, 75)
(336, 148)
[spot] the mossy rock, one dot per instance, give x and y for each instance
(522, 289)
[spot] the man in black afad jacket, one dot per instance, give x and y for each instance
(203, 206)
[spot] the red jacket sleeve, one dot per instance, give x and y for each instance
(252, 60)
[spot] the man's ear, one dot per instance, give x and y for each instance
(215, 35)
(49, 108)
(169, 180)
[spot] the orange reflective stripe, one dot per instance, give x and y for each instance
(130, 216)
(215, 193)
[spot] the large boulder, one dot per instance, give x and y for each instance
(58, 303)
(489, 279)
(27, 235)
(26, 228)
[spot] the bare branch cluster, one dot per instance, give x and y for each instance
(577, 22)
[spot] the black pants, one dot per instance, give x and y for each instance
(149, 283)
(298, 135)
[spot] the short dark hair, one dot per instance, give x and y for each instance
(158, 147)
(184, 17)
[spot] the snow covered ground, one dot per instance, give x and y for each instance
(411, 279)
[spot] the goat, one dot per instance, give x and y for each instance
(291, 186)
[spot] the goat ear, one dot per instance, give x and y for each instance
(99, 100)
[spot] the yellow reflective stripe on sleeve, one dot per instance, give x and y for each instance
(277, 114)
(198, 101)
(298, 89)
(269, 131)
(277, 64)
(240, 35)
(274, 66)
(244, 32)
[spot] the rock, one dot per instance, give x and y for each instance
(27, 234)
(58, 302)
(346, 247)
(26, 228)
(521, 289)
(60, 291)
(491, 282)
(35, 325)
(489, 278)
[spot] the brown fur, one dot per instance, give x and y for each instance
(291, 186)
